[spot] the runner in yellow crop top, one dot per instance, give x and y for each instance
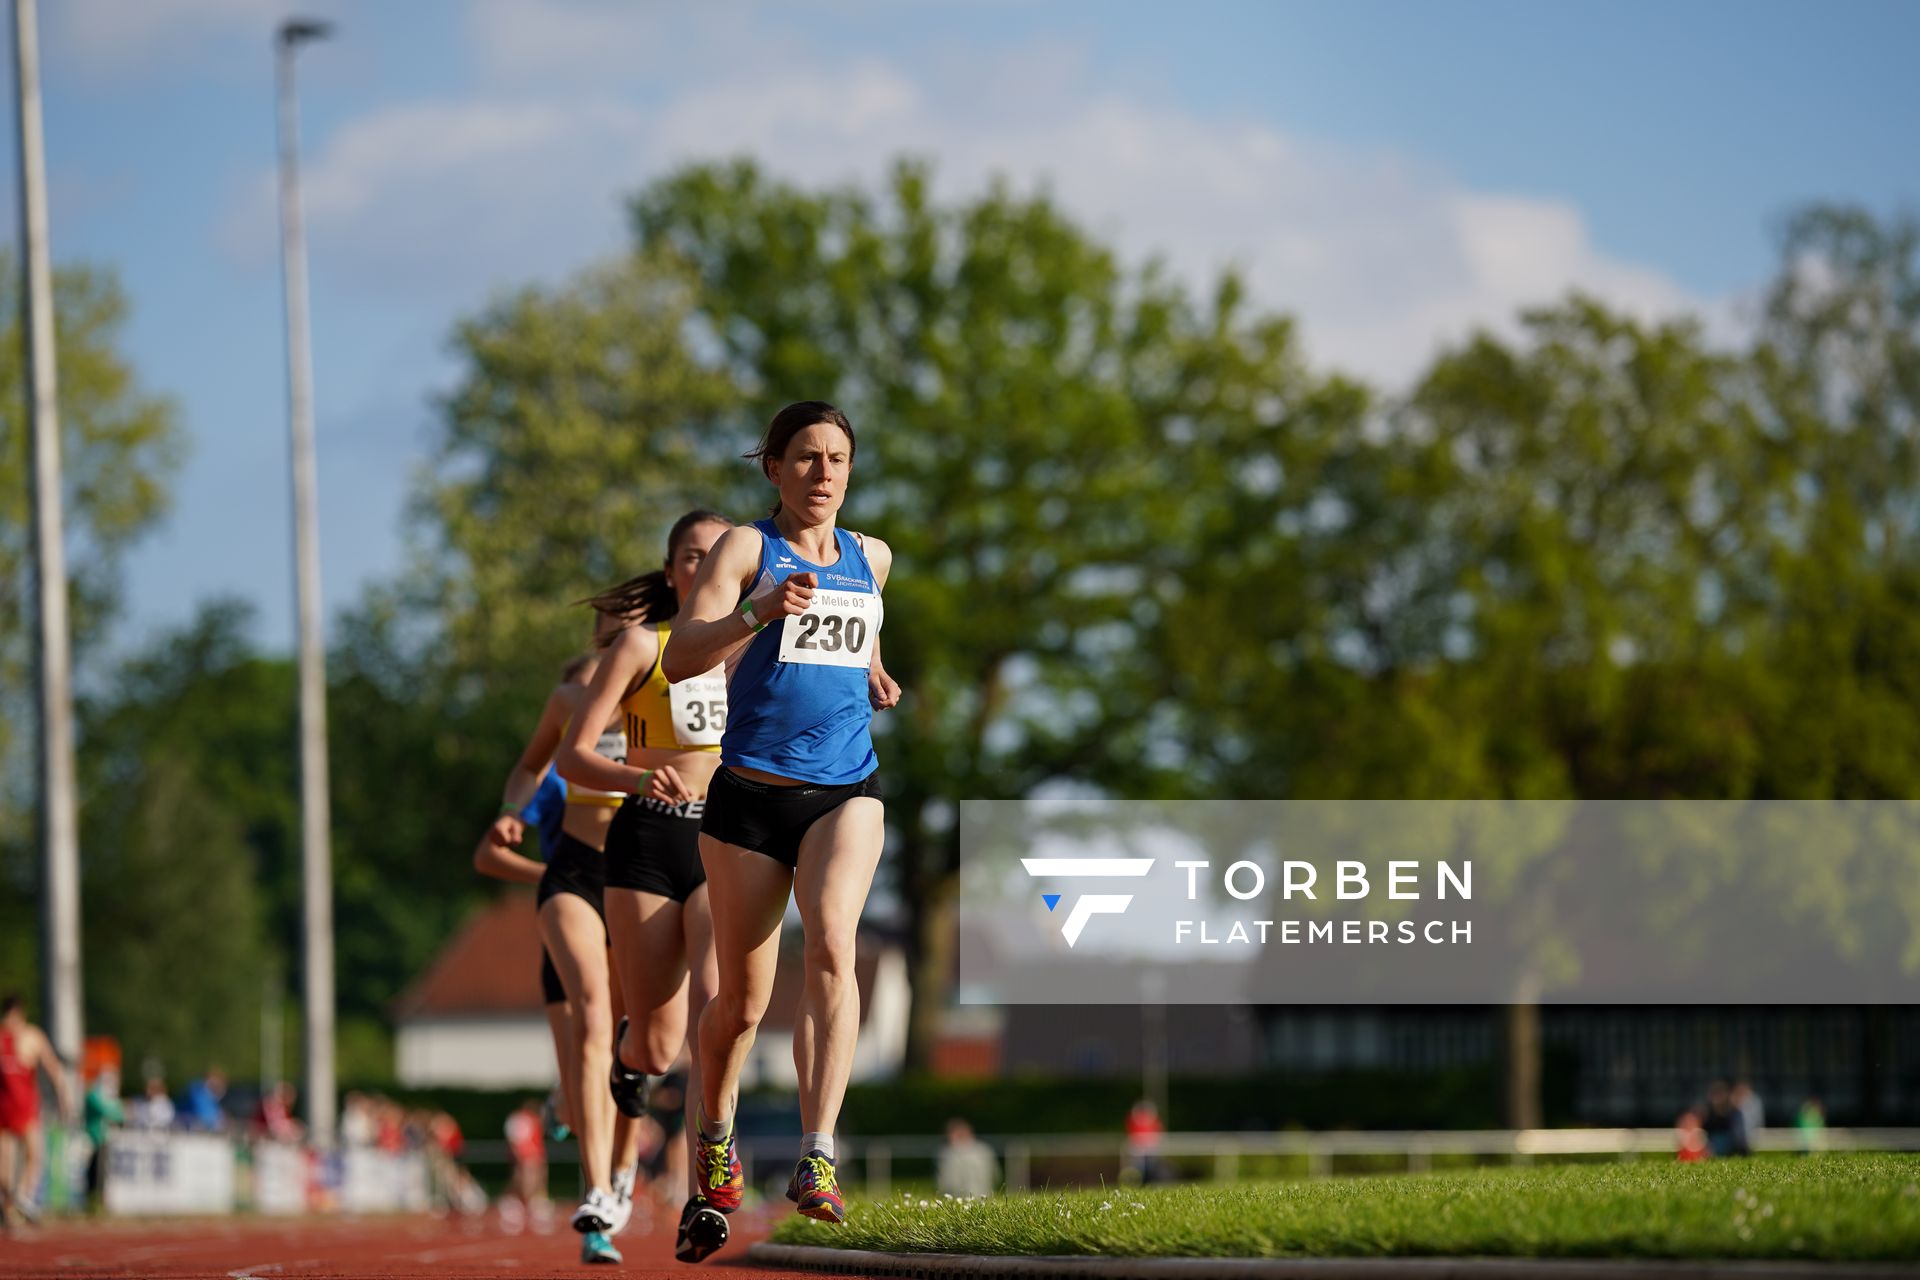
(662, 718)
(657, 911)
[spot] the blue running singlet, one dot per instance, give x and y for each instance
(544, 810)
(797, 701)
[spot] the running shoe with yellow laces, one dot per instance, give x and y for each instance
(815, 1189)
(718, 1161)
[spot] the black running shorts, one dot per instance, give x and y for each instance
(654, 847)
(577, 868)
(772, 819)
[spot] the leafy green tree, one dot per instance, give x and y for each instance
(120, 445)
(188, 821)
(581, 426)
(1046, 438)
(174, 945)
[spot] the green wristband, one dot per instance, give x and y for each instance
(508, 811)
(746, 615)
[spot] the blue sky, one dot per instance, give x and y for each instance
(1393, 173)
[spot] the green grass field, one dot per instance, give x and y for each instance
(1853, 1207)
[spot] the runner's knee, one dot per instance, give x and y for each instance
(829, 960)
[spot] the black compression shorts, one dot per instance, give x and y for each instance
(654, 847)
(577, 868)
(772, 819)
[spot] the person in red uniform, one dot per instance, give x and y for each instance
(24, 1051)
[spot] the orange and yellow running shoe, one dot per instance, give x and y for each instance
(815, 1189)
(721, 1181)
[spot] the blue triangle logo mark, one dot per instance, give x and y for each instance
(1051, 899)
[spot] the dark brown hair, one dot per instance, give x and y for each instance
(650, 597)
(790, 422)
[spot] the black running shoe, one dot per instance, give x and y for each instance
(629, 1087)
(703, 1232)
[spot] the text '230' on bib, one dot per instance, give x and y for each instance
(836, 630)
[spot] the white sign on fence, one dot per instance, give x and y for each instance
(155, 1173)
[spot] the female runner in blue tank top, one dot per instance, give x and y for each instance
(791, 605)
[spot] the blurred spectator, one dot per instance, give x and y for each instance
(527, 1188)
(967, 1169)
(358, 1127)
(1143, 1141)
(200, 1108)
(25, 1055)
(1726, 1127)
(1753, 1116)
(155, 1109)
(444, 1143)
(389, 1129)
(273, 1118)
(1812, 1124)
(1689, 1139)
(100, 1109)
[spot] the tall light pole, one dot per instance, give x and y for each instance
(57, 811)
(316, 860)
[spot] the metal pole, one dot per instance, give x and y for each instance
(315, 836)
(1153, 1040)
(57, 810)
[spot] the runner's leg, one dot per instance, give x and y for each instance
(837, 860)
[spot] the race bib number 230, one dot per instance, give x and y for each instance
(837, 630)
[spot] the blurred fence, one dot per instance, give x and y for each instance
(169, 1173)
(1029, 1160)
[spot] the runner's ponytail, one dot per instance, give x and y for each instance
(651, 597)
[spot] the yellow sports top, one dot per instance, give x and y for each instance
(687, 716)
(612, 745)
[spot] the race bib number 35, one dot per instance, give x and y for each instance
(699, 709)
(837, 630)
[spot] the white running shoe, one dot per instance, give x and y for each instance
(597, 1212)
(623, 1199)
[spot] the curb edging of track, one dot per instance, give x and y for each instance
(944, 1266)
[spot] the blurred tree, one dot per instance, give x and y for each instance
(1838, 367)
(189, 816)
(580, 428)
(120, 446)
(174, 944)
(1045, 437)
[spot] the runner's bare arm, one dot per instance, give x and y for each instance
(880, 556)
(493, 857)
(48, 1060)
(625, 661)
(533, 762)
(882, 689)
(524, 779)
(710, 626)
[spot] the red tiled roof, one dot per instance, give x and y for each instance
(491, 968)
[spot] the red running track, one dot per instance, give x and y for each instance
(444, 1249)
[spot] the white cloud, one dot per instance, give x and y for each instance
(119, 37)
(1381, 257)
(455, 198)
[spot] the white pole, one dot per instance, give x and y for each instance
(315, 834)
(58, 812)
